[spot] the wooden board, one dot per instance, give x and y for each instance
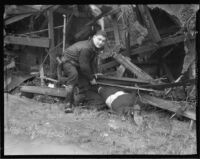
(116, 31)
(132, 67)
(167, 105)
(51, 37)
(37, 42)
(147, 48)
(57, 92)
(149, 23)
(164, 42)
(125, 79)
(11, 81)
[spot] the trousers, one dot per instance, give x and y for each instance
(69, 74)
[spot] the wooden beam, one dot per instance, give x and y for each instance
(125, 79)
(92, 22)
(57, 92)
(51, 37)
(108, 65)
(149, 23)
(121, 69)
(116, 31)
(170, 85)
(164, 42)
(37, 42)
(41, 71)
(126, 87)
(131, 67)
(147, 48)
(167, 105)
(114, 63)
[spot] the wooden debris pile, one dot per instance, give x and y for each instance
(153, 67)
(148, 50)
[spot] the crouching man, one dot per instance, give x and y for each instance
(77, 58)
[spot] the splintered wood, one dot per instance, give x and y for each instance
(131, 67)
(167, 105)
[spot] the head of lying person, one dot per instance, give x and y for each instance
(99, 39)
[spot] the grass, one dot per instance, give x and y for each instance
(102, 132)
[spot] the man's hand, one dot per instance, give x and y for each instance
(97, 74)
(59, 60)
(93, 82)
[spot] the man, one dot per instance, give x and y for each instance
(79, 56)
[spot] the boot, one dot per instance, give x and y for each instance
(69, 108)
(69, 99)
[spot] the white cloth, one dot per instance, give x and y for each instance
(114, 96)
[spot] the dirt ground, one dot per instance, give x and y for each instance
(43, 128)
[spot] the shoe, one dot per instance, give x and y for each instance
(68, 108)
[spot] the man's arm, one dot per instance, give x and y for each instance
(85, 66)
(94, 65)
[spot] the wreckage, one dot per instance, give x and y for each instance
(151, 49)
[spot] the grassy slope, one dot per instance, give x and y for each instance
(101, 132)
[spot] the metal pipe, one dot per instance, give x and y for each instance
(64, 32)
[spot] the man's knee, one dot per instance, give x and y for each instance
(71, 73)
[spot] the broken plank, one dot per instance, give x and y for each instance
(17, 18)
(120, 82)
(120, 71)
(114, 63)
(57, 92)
(14, 80)
(108, 65)
(167, 105)
(171, 40)
(149, 23)
(170, 85)
(50, 79)
(131, 67)
(92, 22)
(52, 54)
(164, 42)
(116, 31)
(37, 42)
(103, 14)
(126, 87)
(125, 79)
(42, 75)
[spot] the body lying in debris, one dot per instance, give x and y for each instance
(121, 102)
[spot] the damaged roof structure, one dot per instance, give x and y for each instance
(150, 47)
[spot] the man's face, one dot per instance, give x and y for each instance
(99, 41)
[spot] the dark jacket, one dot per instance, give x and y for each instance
(82, 54)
